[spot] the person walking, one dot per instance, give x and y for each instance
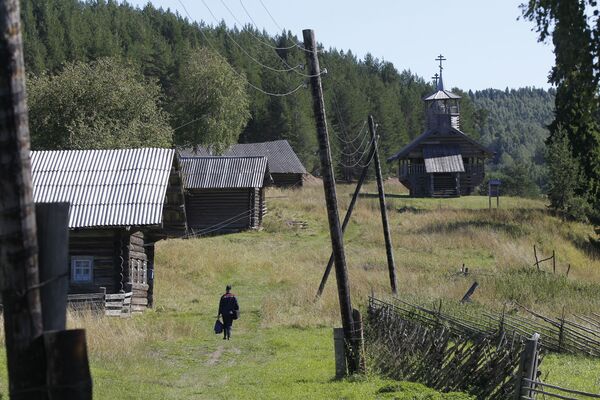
(228, 309)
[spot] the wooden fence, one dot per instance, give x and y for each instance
(449, 355)
(440, 355)
(114, 305)
(528, 385)
(561, 335)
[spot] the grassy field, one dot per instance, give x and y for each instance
(282, 345)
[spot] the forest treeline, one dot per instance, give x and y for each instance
(157, 44)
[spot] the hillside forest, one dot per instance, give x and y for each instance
(89, 61)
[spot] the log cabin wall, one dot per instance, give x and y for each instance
(119, 261)
(287, 180)
(215, 211)
(137, 277)
(100, 248)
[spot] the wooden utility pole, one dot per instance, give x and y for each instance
(361, 180)
(384, 219)
(337, 242)
(18, 242)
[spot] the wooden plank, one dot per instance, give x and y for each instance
(136, 301)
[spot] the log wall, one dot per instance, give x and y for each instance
(120, 262)
(212, 211)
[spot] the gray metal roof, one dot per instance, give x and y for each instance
(416, 141)
(104, 187)
(440, 158)
(224, 172)
(442, 95)
(281, 156)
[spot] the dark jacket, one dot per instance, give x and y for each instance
(228, 305)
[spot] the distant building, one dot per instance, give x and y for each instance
(121, 203)
(442, 161)
(284, 165)
(224, 194)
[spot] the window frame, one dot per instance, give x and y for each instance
(74, 260)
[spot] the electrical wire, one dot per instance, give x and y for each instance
(242, 76)
(287, 69)
(281, 30)
(358, 162)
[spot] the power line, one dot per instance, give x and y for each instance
(275, 48)
(242, 76)
(287, 69)
(281, 29)
(293, 46)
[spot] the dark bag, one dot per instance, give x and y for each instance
(236, 314)
(218, 327)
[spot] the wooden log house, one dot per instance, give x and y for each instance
(121, 203)
(285, 167)
(443, 161)
(224, 194)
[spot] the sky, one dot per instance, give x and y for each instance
(484, 43)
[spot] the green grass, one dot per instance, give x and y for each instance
(282, 346)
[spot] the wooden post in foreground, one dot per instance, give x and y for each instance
(53, 239)
(18, 243)
(361, 180)
(384, 219)
(527, 369)
(337, 241)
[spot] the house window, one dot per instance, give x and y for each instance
(82, 268)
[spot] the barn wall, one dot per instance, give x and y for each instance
(103, 246)
(225, 210)
(287, 180)
(120, 262)
(137, 276)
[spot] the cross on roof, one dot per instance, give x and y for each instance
(435, 79)
(440, 58)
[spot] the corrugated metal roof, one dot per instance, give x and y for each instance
(282, 158)
(223, 172)
(105, 187)
(442, 159)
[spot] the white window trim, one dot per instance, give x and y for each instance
(82, 258)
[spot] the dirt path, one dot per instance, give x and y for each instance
(215, 356)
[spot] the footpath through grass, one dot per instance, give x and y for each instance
(282, 346)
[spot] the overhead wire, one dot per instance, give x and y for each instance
(242, 76)
(358, 162)
(288, 67)
(281, 29)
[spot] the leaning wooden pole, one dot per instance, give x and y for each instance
(361, 180)
(384, 217)
(337, 242)
(18, 243)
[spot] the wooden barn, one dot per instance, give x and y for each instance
(442, 161)
(284, 165)
(121, 203)
(224, 194)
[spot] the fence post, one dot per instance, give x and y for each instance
(53, 240)
(527, 369)
(339, 348)
(561, 332)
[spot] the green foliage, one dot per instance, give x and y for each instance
(516, 181)
(98, 105)
(210, 102)
(565, 178)
(513, 123)
(577, 76)
(161, 43)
